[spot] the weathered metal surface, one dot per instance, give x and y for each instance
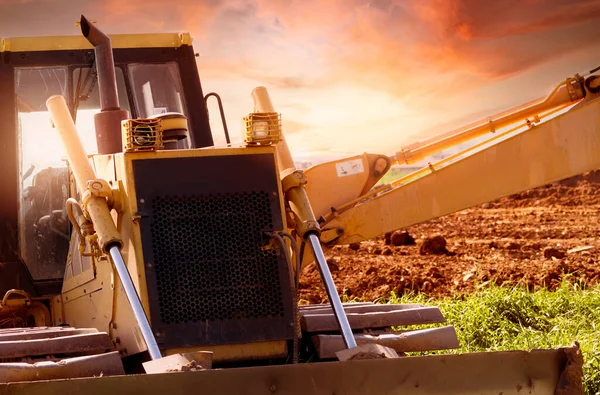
(418, 340)
(41, 333)
(366, 351)
(240, 352)
(311, 307)
(357, 308)
(326, 322)
(190, 361)
(83, 343)
(511, 372)
(87, 366)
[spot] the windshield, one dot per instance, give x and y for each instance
(44, 229)
(157, 90)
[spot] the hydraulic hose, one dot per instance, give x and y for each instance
(279, 237)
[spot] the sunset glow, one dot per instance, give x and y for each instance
(351, 76)
(41, 146)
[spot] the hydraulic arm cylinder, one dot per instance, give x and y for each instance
(96, 205)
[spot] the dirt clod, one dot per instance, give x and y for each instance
(387, 251)
(433, 245)
(388, 238)
(551, 252)
(512, 246)
(354, 246)
(333, 263)
(402, 239)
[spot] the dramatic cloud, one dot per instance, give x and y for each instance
(353, 75)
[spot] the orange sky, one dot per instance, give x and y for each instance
(351, 75)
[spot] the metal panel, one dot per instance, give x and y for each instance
(202, 227)
(84, 366)
(507, 373)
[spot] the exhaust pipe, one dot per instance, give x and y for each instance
(108, 121)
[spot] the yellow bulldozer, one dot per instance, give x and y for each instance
(138, 257)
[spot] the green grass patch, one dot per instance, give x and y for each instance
(501, 318)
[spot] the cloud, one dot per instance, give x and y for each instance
(392, 43)
(412, 63)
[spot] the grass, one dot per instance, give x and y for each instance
(501, 318)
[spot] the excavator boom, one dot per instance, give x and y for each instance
(529, 155)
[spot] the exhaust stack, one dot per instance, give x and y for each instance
(108, 120)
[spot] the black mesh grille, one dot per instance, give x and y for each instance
(202, 225)
(208, 259)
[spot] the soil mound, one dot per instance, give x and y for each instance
(536, 238)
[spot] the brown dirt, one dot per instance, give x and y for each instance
(523, 239)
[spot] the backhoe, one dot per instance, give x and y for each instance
(138, 257)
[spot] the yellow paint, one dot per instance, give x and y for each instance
(56, 43)
(100, 302)
(240, 352)
(562, 147)
(335, 183)
(567, 92)
(426, 170)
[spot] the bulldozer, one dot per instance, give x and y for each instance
(138, 257)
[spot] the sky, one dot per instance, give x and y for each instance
(354, 76)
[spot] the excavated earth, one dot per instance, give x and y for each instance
(537, 238)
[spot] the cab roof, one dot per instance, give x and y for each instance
(71, 43)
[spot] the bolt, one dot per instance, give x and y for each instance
(142, 201)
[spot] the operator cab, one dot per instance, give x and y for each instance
(156, 74)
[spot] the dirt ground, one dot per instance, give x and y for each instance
(536, 238)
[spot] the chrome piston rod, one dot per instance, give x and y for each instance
(334, 298)
(136, 304)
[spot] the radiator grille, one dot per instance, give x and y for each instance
(208, 261)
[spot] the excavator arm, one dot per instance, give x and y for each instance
(532, 145)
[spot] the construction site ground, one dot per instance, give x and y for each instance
(535, 239)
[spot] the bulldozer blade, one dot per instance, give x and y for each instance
(554, 371)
